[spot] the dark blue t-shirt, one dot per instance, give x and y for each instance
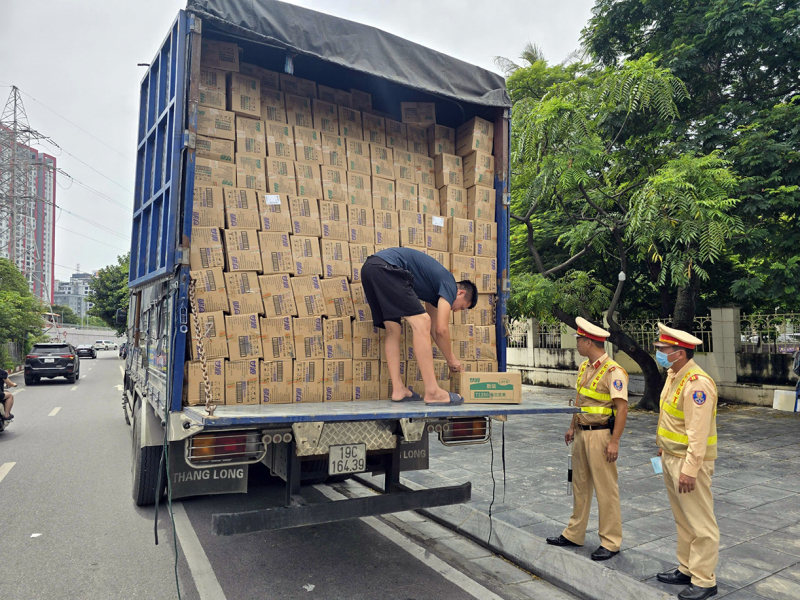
(431, 280)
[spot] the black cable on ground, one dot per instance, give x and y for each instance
(494, 484)
(503, 453)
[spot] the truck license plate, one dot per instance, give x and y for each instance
(347, 458)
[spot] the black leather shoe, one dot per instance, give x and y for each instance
(561, 541)
(697, 593)
(603, 554)
(674, 577)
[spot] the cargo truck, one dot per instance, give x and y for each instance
(209, 448)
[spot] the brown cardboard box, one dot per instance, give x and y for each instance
(485, 342)
(484, 311)
(216, 123)
(386, 381)
(251, 172)
(306, 255)
(219, 55)
(244, 95)
(424, 170)
(298, 86)
(308, 145)
(404, 169)
(241, 208)
(453, 201)
(278, 296)
(417, 140)
(383, 194)
(382, 161)
(309, 338)
(242, 252)
(338, 337)
(214, 149)
(309, 182)
(212, 334)
(469, 366)
(461, 236)
(210, 290)
(208, 206)
(277, 338)
(441, 140)
(242, 382)
(298, 111)
(485, 239)
(281, 176)
(274, 213)
(359, 189)
(396, 135)
(206, 250)
(307, 380)
(449, 170)
(358, 156)
(358, 255)
(363, 312)
(374, 129)
(366, 341)
(428, 200)
(361, 100)
(250, 136)
(387, 232)
(350, 123)
(463, 338)
(213, 98)
(335, 255)
(334, 183)
(407, 345)
(361, 216)
(338, 300)
(276, 381)
(412, 230)
(357, 293)
(326, 116)
(273, 107)
(335, 215)
(475, 134)
(267, 79)
(414, 380)
(276, 252)
(244, 293)
(443, 258)
(418, 113)
(194, 384)
(487, 366)
(214, 172)
(336, 231)
(366, 380)
(280, 141)
(486, 275)
(478, 169)
(334, 151)
(337, 383)
(436, 232)
(308, 296)
(462, 267)
(491, 388)
(406, 196)
(334, 96)
(360, 234)
(244, 336)
(212, 88)
(305, 216)
(480, 203)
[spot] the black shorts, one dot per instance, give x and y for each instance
(389, 291)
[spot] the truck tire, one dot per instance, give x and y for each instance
(314, 466)
(146, 463)
(338, 478)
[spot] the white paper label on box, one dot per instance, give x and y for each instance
(273, 199)
(438, 221)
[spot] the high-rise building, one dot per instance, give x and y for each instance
(73, 293)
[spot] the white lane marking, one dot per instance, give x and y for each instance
(5, 468)
(205, 580)
(54, 412)
(35, 535)
(470, 586)
(119, 387)
(19, 391)
(72, 389)
(121, 370)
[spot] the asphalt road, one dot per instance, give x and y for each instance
(70, 529)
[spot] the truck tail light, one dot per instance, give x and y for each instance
(466, 430)
(225, 447)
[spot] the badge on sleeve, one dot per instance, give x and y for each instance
(618, 385)
(699, 398)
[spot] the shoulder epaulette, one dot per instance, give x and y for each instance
(611, 369)
(694, 377)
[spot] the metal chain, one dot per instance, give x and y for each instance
(201, 351)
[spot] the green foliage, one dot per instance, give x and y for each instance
(535, 296)
(109, 292)
(11, 280)
(68, 316)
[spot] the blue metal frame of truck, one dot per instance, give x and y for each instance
(212, 453)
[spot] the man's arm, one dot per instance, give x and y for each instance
(440, 331)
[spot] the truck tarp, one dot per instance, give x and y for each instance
(355, 46)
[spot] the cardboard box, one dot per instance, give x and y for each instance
(280, 141)
(309, 181)
(358, 160)
(210, 290)
(274, 214)
(453, 202)
(480, 203)
(358, 256)
(335, 254)
(241, 208)
(307, 380)
(374, 129)
(396, 135)
(308, 296)
(208, 206)
(214, 172)
(383, 194)
(244, 293)
(273, 107)
(485, 239)
(213, 336)
(463, 339)
(412, 230)
(404, 169)
(337, 383)
(487, 366)
(441, 140)
(308, 145)
(475, 134)
(363, 312)
(216, 123)
(244, 336)
(305, 216)
(277, 338)
(338, 300)
(214, 149)
(194, 384)
(357, 293)
(334, 151)
(382, 162)
(276, 252)
(333, 216)
(242, 252)
(298, 86)
(281, 176)
(359, 189)
(469, 366)
(418, 113)
(219, 55)
(251, 136)
(461, 236)
(275, 381)
(360, 216)
(309, 338)
(491, 388)
(486, 275)
(414, 380)
(386, 387)
(306, 255)
(244, 95)
(251, 172)
(205, 249)
(449, 170)
(267, 79)
(334, 183)
(484, 312)
(386, 228)
(242, 382)
(366, 380)
(478, 169)
(424, 170)
(407, 345)
(277, 295)
(334, 96)
(366, 341)
(443, 258)
(462, 267)
(212, 88)
(338, 338)
(360, 234)
(417, 140)
(436, 229)
(485, 342)
(326, 116)
(428, 200)
(406, 196)
(350, 123)
(361, 100)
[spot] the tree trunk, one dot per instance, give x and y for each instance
(683, 316)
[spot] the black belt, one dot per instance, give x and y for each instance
(593, 427)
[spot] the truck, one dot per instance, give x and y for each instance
(187, 451)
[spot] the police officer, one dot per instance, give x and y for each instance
(602, 388)
(687, 440)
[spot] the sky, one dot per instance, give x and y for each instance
(76, 65)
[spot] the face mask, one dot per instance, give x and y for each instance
(663, 359)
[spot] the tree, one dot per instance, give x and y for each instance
(20, 312)
(68, 317)
(108, 292)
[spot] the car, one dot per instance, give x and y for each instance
(86, 350)
(105, 345)
(110, 345)
(52, 360)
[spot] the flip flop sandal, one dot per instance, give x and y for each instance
(414, 397)
(454, 399)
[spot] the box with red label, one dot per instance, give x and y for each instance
(242, 382)
(244, 293)
(337, 384)
(276, 381)
(210, 290)
(308, 296)
(277, 295)
(307, 380)
(277, 338)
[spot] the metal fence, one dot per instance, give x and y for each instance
(645, 331)
(545, 335)
(776, 333)
(518, 334)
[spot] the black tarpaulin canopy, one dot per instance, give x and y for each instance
(354, 46)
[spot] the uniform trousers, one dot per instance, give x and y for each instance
(591, 471)
(698, 533)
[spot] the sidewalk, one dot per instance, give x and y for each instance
(757, 501)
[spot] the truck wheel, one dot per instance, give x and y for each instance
(338, 478)
(315, 467)
(146, 462)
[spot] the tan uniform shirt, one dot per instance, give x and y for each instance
(614, 382)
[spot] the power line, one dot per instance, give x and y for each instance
(94, 191)
(92, 239)
(91, 167)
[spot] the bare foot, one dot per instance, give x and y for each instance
(399, 395)
(438, 397)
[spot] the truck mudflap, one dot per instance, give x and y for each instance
(187, 480)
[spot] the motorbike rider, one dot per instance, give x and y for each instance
(8, 398)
